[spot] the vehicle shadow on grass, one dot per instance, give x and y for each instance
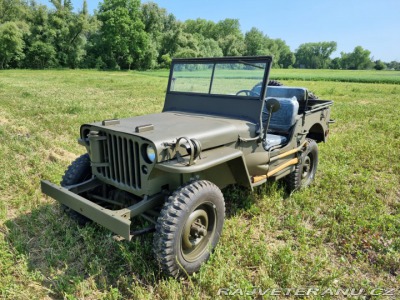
(242, 200)
(72, 259)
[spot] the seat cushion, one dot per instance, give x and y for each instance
(283, 119)
(283, 92)
(274, 140)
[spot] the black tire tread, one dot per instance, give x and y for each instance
(174, 209)
(274, 83)
(76, 170)
(293, 180)
(76, 173)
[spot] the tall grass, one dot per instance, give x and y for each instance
(343, 232)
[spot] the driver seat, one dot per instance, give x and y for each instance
(281, 121)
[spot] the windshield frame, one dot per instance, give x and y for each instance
(247, 60)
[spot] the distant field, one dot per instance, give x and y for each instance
(361, 76)
(343, 232)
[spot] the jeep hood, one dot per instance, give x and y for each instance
(169, 126)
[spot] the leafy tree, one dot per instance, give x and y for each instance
(315, 55)
(11, 44)
(168, 44)
(41, 55)
(226, 33)
(188, 46)
(208, 47)
(259, 44)
(40, 52)
(336, 63)
(150, 56)
(273, 49)
(393, 65)
(195, 45)
(69, 32)
(127, 34)
(286, 56)
(13, 10)
(379, 65)
(232, 45)
(230, 37)
(156, 20)
(359, 59)
(166, 61)
(208, 29)
(228, 27)
(160, 26)
(122, 41)
(255, 42)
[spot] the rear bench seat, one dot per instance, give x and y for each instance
(282, 120)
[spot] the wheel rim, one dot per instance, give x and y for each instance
(306, 167)
(197, 232)
(307, 170)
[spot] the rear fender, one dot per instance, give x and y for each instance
(316, 132)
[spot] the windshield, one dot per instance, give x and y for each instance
(239, 78)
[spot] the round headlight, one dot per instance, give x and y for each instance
(151, 153)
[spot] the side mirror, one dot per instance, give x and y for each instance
(272, 105)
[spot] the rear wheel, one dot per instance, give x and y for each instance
(189, 227)
(304, 172)
(78, 172)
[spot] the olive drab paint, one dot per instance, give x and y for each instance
(221, 123)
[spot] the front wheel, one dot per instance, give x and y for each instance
(78, 172)
(189, 227)
(304, 172)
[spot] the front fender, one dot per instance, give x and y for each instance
(219, 160)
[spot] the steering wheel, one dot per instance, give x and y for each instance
(247, 93)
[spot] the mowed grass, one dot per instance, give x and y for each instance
(343, 232)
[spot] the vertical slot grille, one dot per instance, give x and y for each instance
(122, 156)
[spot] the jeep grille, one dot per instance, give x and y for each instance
(121, 161)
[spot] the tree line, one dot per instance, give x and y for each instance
(126, 34)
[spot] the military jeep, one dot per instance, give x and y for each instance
(221, 124)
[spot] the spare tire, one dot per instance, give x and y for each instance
(257, 88)
(274, 83)
(311, 96)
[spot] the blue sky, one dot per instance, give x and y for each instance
(372, 24)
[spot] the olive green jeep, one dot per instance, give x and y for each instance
(221, 124)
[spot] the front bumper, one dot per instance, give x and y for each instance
(117, 221)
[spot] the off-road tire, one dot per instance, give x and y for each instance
(79, 171)
(184, 209)
(304, 172)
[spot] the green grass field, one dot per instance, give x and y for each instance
(343, 232)
(357, 76)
